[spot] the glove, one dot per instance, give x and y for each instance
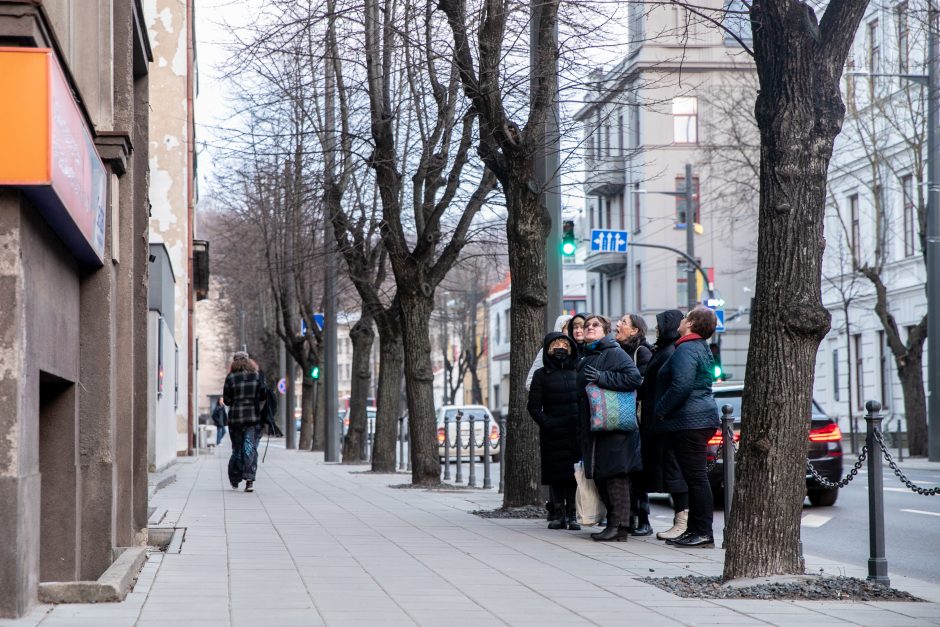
(591, 373)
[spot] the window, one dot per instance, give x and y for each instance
(620, 132)
(855, 233)
(497, 332)
(685, 120)
(607, 150)
(835, 375)
(850, 82)
(621, 205)
(608, 214)
(635, 17)
(880, 239)
(910, 222)
(885, 362)
(680, 200)
(904, 53)
(682, 280)
(638, 286)
(874, 54)
(859, 372)
(635, 126)
(636, 208)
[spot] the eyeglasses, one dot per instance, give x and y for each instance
(593, 324)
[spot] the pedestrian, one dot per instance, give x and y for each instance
(660, 470)
(687, 414)
(609, 456)
(575, 330)
(243, 391)
(553, 404)
(220, 419)
(631, 335)
(537, 363)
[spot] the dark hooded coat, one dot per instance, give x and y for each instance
(569, 326)
(553, 404)
(613, 453)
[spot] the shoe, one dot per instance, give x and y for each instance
(558, 523)
(573, 524)
(679, 524)
(682, 537)
(234, 484)
(613, 533)
(695, 541)
(249, 486)
(643, 529)
(549, 511)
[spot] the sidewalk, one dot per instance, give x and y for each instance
(323, 544)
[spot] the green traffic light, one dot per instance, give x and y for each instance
(315, 372)
(568, 248)
(718, 372)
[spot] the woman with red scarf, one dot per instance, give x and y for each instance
(687, 416)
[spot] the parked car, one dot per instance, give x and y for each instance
(370, 419)
(479, 412)
(824, 450)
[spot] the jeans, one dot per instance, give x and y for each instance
(219, 434)
(691, 447)
(243, 464)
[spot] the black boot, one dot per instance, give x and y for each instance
(613, 533)
(642, 527)
(559, 521)
(573, 524)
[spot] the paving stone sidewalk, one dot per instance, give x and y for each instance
(324, 544)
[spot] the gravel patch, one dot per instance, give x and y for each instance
(811, 589)
(529, 511)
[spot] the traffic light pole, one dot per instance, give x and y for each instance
(691, 293)
(933, 236)
(696, 267)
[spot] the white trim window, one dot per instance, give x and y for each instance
(685, 120)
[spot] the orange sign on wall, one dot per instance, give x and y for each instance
(46, 149)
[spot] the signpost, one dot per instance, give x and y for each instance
(609, 241)
(317, 318)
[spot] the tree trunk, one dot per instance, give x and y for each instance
(476, 390)
(526, 229)
(388, 395)
(911, 375)
(306, 408)
(415, 317)
(799, 112)
(319, 423)
(362, 336)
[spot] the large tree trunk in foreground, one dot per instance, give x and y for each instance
(911, 375)
(799, 113)
(307, 415)
(526, 229)
(415, 317)
(319, 420)
(388, 395)
(362, 336)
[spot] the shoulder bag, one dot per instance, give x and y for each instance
(611, 410)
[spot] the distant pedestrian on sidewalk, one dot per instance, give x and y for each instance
(687, 414)
(243, 391)
(609, 456)
(220, 420)
(553, 404)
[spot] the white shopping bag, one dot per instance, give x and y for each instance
(590, 507)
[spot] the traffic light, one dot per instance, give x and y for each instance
(315, 373)
(568, 242)
(718, 372)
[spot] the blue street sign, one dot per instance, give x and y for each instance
(721, 321)
(608, 241)
(317, 318)
(282, 386)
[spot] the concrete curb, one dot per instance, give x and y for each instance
(112, 586)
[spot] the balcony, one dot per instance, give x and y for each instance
(606, 176)
(605, 263)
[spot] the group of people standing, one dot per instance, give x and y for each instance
(676, 415)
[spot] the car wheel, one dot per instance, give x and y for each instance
(823, 498)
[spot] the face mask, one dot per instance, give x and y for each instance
(560, 353)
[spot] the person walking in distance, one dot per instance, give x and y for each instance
(553, 404)
(244, 389)
(660, 470)
(687, 414)
(220, 420)
(609, 456)
(631, 335)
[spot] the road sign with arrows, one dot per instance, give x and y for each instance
(608, 241)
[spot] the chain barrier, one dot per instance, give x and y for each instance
(711, 464)
(899, 473)
(863, 454)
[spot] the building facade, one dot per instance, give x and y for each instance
(73, 310)
(876, 215)
(682, 95)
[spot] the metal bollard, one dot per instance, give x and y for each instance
(458, 445)
(370, 439)
(487, 482)
(401, 443)
(472, 480)
(408, 438)
(502, 454)
(897, 433)
(727, 434)
(877, 562)
(446, 447)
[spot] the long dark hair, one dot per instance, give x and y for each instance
(639, 339)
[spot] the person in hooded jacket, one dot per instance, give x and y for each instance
(687, 414)
(561, 323)
(609, 456)
(631, 335)
(575, 330)
(553, 404)
(660, 470)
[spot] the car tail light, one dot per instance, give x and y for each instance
(829, 433)
(718, 438)
(346, 422)
(440, 435)
(494, 434)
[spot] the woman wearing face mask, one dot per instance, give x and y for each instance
(553, 404)
(609, 456)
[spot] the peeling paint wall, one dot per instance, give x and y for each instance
(167, 25)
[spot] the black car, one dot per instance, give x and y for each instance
(824, 451)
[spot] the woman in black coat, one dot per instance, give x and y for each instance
(687, 414)
(553, 404)
(609, 456)
(660, 470)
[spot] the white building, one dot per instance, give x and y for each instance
(876, 184)
(683, 95)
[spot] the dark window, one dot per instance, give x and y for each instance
(680, 200)
(621, 204)
(835, 375)
(635, 125)
(904, 53)
(859, 372)
(637, 226)
(608, 215)
(620, 132)
(874, 54)
(910, 221)
(856, 227)
(885, 362)
(638, 269)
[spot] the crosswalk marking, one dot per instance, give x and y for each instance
(918, 511)
(814, 520)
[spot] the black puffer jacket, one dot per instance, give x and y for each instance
(684, 388)
(668, 324)
(608, 454)
(553, 404)
(570, 329)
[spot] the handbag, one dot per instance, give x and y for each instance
(611, 410)
(587, 499)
